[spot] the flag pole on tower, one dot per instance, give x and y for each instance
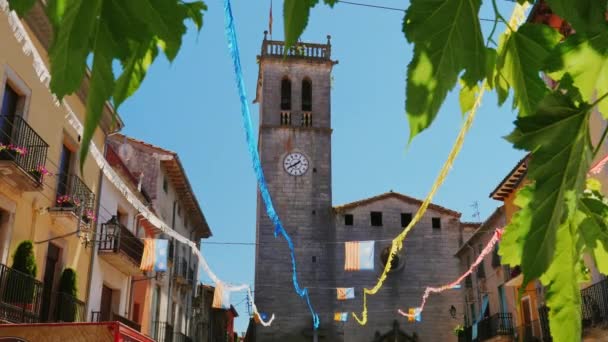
(270, 20)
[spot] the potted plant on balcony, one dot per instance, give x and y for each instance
(67, 296)
(39, 172)
(89, 216)
(21, 278)
(68, 202)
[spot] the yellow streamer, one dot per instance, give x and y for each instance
(397, 244)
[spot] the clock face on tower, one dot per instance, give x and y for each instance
(295, 164)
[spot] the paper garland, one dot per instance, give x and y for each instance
(597, 167)
(44, 76)
(343, 293)
(455, 284)
(155, 255)
(516, 17)
(255, 158)
(341, 316)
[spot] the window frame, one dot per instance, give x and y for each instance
(378, 216)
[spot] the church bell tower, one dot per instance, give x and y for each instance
(294, 96)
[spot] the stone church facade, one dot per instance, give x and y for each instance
(295, 131)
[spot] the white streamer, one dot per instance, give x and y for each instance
(44, 76)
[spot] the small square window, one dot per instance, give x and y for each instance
(436, 222)
(406, 218)
(314, 259)
(376, 218)
(348, 219)
(165, 185)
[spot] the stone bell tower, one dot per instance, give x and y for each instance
(294, 93)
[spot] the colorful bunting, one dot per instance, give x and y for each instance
(154, 257)
(221, 297)
(345, 293)
(341, 316)
(359, 255)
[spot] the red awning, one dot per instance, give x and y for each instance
(66, 332)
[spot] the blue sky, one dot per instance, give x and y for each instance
(191, 106)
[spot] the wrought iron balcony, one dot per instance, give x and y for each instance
(162, 332)
(22, 154)
(74, 198)
(500, 324)
(119, 247)
(98, 316)
(20, 296)
(595, 304)
(67, 308)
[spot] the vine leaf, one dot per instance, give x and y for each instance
(71, 45)
(594, 230)
(134, 71)
(512, 243)
(561, 280)
(467, 97)
(447, 40)
(585, 59)
(557, 136)
(295, 14)
(585, 16)
(520, 57)
(21, 6)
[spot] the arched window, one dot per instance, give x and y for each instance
(306, 95)
(285, 94)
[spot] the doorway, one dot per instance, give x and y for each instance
(50, 269)
(526, 312)
(106, 304)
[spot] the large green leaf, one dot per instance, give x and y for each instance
(520, 57)
(512, 243)
(295, 19)
(585, 59)
(195, 12)
(21, 6)
(594, 230)
(557, 136)
(561, 281)
(447, 41)
(584, 15)
(101, 86)
(134, 71)
(71, 45)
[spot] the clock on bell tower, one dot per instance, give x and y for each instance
(294, 96)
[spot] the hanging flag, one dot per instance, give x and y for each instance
(341, 316)
(154, 257)
(270, 20)
(345, 293)
(221, 297)
(359, 255)
(414, 314)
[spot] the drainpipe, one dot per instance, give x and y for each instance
(172, 270)
(94, 240)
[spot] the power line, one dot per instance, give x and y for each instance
(395, 9)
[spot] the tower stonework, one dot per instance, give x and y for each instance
(293, 93)
(295, 126)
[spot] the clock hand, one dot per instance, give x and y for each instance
(293, 165)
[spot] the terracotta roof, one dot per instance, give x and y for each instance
(483, 228)
(471, 224)
(511, 180)
(179, 180)
(391, 194)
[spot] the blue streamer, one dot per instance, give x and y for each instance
(255, 158)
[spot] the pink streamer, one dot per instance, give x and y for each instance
(487, 250)
(597, 167)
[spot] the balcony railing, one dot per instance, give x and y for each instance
(181, 337)
(68, 308)
(531, 332)
(500, 324)
(285, 118)
(181, 270)
(76, 193)
(301, 50)
(16, 132)
(595, 303)
(162, 332)
(306, 119)
(20, 296)
(98, 316)
(116, 238)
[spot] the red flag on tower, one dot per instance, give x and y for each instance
(270, 20)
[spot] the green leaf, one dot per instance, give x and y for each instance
(594, 230)
(164, 19)
(134, 72)
(514, 236)
(561, 281)
(557, 136)
(467, 97)
(21, 6)
(55, 9)
(195, 12)
(584, 15)
(447, 40)
(101, 86)
(71, 45)
(491, 56)
(585, 59)
(520, 57)
(295, 19)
